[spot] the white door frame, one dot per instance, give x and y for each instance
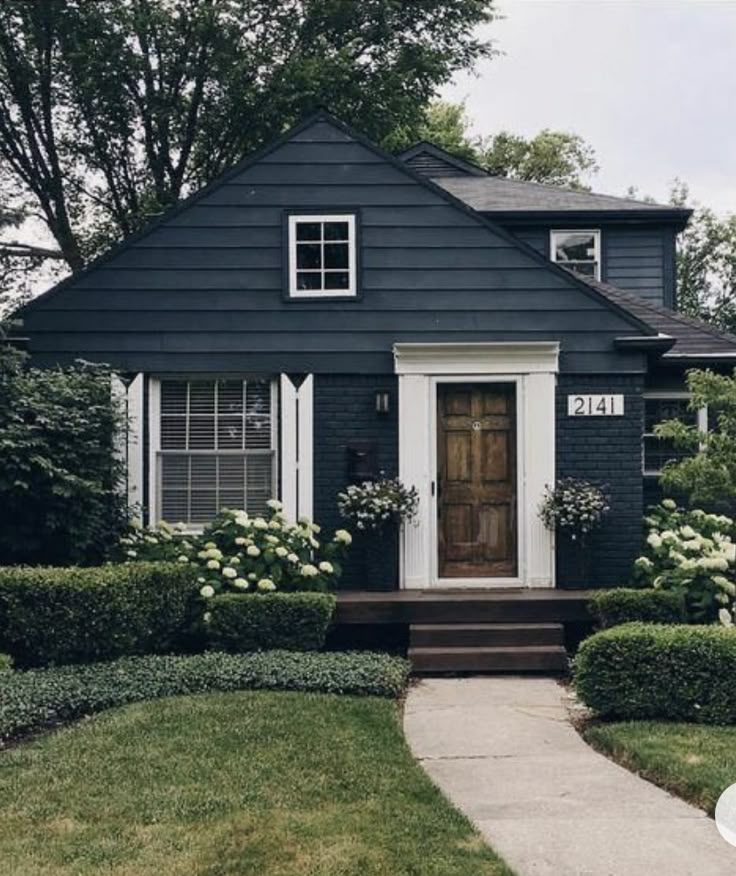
(532, 368)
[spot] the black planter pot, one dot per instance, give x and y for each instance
(375, 559)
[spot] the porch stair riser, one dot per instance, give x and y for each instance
(487, 648)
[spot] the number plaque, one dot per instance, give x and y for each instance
(595, 405)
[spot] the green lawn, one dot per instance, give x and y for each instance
(695, 761)
(269, 784)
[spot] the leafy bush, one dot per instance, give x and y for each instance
(6, 662)
(236, 552)
(60, 501)
(691, 553)
(378, 503)
(623, 605)
(255, 622)
(54, 615)
(679, 673)
(34, 700)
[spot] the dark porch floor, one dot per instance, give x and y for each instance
(462, 606)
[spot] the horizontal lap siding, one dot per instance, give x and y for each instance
(204, 291)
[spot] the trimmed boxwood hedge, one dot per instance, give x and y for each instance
(624, 605)
(42, 698)
(260, 621)
(75, 615)
(641, 671)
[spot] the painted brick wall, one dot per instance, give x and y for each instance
(345, 412)
(605, 450)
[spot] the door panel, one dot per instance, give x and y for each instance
(476, 503)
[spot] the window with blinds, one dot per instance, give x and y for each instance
(216, 448)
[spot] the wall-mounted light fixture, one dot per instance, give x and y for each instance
(382, 402)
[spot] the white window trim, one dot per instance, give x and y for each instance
(702, 422)
(154, 440)
(352, 289)
(596, 232)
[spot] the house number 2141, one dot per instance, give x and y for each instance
(595, 405)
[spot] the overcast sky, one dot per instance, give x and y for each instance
(650, 84)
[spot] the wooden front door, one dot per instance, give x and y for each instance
(476, 480)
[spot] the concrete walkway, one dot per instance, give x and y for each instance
(503, 750)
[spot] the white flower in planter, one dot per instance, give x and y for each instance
(241, 541)
(309, 571)
(266, 584)
(292, 558)
(208, 591)
(342, 535)
(213, 564)
(229, 572)
(253, 551)
(241, 584)
(274, 504)
(653, 540)
(326, 567)
(281, 551)
(260, 523)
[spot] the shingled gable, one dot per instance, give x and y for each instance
(339, 129)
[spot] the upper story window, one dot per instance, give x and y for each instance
(579, 251)
(322, 256)
(659, 407)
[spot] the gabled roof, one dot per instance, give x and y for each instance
(694, 339)
(432, 161)
(518, 198)
(446, 195)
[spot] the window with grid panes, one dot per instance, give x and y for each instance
(217, 448)
(322, 256)
(658, 451)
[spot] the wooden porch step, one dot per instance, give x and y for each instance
(484, 635)
(551, 659)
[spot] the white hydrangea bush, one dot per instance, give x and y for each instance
(238, 553)
(692, 552)
(374, 504)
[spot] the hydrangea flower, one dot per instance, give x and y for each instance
(266, 584)
(208, 591)
(229, 572)
(343, 536)
(213, 564)
(253, 551)
(326, 567)
(308, 570)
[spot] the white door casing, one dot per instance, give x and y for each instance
(532, 367)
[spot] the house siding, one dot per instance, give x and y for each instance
(204, 291)
(638, 258)
(345, 413)
(604, 450)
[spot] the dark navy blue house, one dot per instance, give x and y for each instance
(326, 311)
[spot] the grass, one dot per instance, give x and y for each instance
(274, 784)
(694, 761)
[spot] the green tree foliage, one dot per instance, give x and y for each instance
(553, 157)
(59, 479)
(111, 110)
(708, 475)
(706, 264)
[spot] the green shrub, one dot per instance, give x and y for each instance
(679, 673)
(6, 662)
(60, 501)
(42, 698)
(72, 615)
(256, 622)
(623, 605)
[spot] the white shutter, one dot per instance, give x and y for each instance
(297, 447)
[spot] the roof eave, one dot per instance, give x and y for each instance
(677, 216)
(658, 344)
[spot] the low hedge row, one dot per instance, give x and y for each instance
(623, 605)
(42, 698)
(73, 615)
(253, 622)
(641, 671)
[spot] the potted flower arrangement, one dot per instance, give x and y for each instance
(573, 509)
(378, 509)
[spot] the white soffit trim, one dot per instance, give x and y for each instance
(477, 358)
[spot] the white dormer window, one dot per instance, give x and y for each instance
(578, 250)
(322, 256)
